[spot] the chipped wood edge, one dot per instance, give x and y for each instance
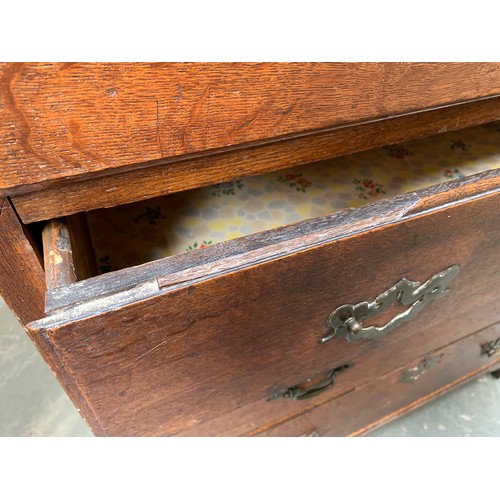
(57, 255)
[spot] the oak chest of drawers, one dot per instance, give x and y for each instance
(253, 249)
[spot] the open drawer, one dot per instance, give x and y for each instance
(251, 330)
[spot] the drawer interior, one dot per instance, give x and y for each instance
(133, 234)
(141, 232)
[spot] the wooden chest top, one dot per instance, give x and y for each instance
(72, 121)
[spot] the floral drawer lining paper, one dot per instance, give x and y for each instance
(156, 228)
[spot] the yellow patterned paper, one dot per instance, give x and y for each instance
(156, 228)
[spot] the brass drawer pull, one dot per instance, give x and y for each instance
(347, 319)
(312, 386)
(491, 348)
(414, 373)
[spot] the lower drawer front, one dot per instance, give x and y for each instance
(399, 391)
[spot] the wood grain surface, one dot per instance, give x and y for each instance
(22, 279)
(145, 183)
(74, 120)
(203, 348)
(369, 362)
(358, 409)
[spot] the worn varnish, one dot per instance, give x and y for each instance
(174, 176)
(63, 121)
(81, 246)
(199, 347)
(58, 255)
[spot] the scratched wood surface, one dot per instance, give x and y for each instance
(204, 347)
(61, 121)
(145, 183)
(22, 285)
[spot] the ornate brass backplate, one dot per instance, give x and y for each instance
(347, 320)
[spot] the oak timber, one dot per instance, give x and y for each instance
(117, 188)
(62, 121)
(187, 268)
(355, 411)
(22, 279)
(209, 346)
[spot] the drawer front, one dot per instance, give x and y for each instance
(212, 340)
(402, 390)
(365, 367)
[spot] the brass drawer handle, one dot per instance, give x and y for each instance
(414, 373)
(347, 319)
(311, 387)
(491, 348)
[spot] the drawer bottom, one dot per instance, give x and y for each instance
(400, 391)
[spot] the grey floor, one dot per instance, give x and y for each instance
(33, 404)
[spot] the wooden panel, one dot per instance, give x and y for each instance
(135, 185)
(22, 280)
(72, 120)
(204, 347)
(353, 412)
(369, 362)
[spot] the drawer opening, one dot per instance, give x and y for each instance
(129, 235)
